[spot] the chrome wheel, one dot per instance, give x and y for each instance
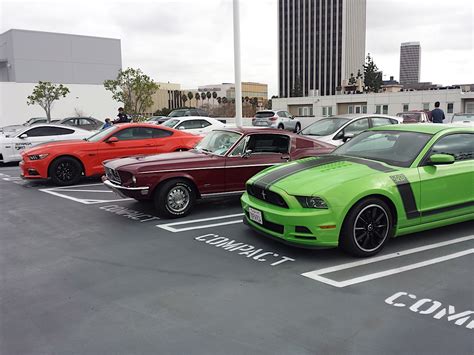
(178, 199)
(371, 227)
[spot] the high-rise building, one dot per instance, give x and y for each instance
(321, 42)
(410, 57)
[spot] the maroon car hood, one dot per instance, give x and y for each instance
(142, 163)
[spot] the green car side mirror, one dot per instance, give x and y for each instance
(441, 159)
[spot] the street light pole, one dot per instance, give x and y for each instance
(238, 83)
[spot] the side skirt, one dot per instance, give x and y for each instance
(435, 224)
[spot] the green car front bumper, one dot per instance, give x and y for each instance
(303, 227)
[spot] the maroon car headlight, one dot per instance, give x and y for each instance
(37, 156)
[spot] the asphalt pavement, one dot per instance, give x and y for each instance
(83, 271)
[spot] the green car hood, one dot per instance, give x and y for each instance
(312, 175)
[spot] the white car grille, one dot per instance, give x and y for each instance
(112, 175)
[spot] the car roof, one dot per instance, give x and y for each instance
(247, 130)
(79, 130)
(428, 128)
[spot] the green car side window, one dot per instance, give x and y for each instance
(460, 146)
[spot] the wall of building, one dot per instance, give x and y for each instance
(394, 100)
(88, 100)
(32, 56)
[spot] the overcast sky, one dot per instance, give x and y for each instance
(191, 42)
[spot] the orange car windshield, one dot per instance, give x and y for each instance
(96, 137)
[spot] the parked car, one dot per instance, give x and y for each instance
(11, 129)
(158, 119)
(195, 125)
(188, 112)
(218, 166)
(385, 182)
(87, 123)
(463, 118)
(66, 162)
(12, 146)
(338, 129)
(276, 119)
(415, 116)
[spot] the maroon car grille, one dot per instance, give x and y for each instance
(112, 175)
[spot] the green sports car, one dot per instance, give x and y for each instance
(387, 181)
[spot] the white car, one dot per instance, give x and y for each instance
(338, 129)
(194, 124)
(460, 119)
(12, 145)
(276, 119)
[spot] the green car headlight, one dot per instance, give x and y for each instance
(312, 202)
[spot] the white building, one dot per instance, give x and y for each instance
(81, 63)
(451, 100)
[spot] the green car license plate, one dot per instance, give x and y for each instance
(255, 215)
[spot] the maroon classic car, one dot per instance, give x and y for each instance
(220, 164)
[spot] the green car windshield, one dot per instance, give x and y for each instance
(396, 148)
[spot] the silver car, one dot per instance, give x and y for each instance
(338, 129)
(276, 119)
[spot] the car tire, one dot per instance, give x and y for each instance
(280, 126)
(175, 198)
(366, 228)
(297, 127)
(65, 171)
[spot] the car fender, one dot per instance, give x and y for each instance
(390, 194)
(172, 175)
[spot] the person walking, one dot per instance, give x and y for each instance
(122, 117)
(107, 123)
(437, 115)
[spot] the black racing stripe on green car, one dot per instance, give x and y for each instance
(447, 208)
(407, 195)
(279, 174)
(371, 164)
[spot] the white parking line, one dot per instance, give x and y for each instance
(62, 190)
(316, 274)
(169, 226)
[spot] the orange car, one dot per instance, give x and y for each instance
(67, 161)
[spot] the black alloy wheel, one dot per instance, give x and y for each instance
(367, 227)
(65, 171)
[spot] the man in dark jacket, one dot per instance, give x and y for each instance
(122, 117)
(437, 115)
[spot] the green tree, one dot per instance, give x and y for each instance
(197, 97)
(184, 98)
(44, 94)
(208, 95)
(372, 75)
(190, 97)
(203, 97)
(352, 79)
(214, 96)
(134, 89)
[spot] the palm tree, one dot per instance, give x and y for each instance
(184, 98)
(214, 96)
(224, 100)
(203, 96)
(208, 95)
(190, 97)
(197, 97)
(219, 100)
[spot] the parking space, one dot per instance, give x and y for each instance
(95, 269)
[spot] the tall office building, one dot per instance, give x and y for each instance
(321, 42)
(410, 57)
